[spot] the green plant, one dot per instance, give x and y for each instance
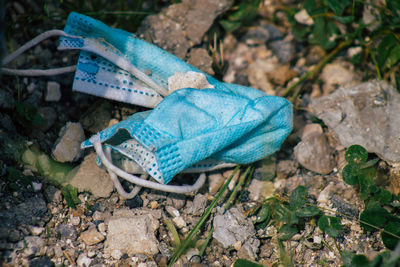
(70, 194)
(27, 115)
(17, 179)
(339, 24)
(243, 12)
(189, 240)
(286, 214)
(360, 172)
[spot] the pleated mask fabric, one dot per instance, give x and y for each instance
(190, 127)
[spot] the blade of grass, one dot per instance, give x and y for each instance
(205, 244)
(172, 229)
(188, 240)
(238, 185)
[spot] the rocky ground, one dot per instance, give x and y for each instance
(39, 228)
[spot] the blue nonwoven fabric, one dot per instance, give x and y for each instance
(229, 123)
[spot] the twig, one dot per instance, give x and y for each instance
(312, 73)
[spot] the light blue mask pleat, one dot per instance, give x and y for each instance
(227, 123)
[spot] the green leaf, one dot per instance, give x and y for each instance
(286, 232)
(245, 263)
(13, 174)
(350, 174)
(27, 115)
(323, 33)
(389, 240)
(264, 214)
(338, 6)
(330, 225)
(347, 257)
(359, 261)
(393, 57)
(344, 20)
(356, 154)
(384, 48)
(229, 25)
(70, 194)
(308, 211)
(286, 215)
(373, 215)
(298, 198)
(384, 196)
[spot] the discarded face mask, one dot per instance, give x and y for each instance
(198, 123)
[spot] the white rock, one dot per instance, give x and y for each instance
(116, 254)
(365, 114)
(68, 146)
(179, 222)
(37, 186)
(231, 227)
(172, 211)
(35, 230)
(303, 18)
(53, 92)
(317, 239)
(83, 260)
(260, 190)
(75, 220)
(91, 253)
(131, 233)
(189, 79)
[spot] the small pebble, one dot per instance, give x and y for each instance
(91, 237)
(172, 211)
(83, 260)
(102, 228)
(37, 186)
(53, 92)
(116, 254)
(153, 205)
(75, 221)
(91, 253)
(179, 222)
(34, 230)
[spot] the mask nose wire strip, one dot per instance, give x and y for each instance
(116, 182)
(136, 180)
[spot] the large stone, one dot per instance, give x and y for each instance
(131, 233)
(366, 114)
(68, 146)
(173, 28)
(314, 152)
(90, 177)
(232, 227)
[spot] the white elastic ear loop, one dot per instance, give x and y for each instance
(119, 61)
(136, 180)
(35, 72)
(118, 185)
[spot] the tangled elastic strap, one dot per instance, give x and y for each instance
(207, 124)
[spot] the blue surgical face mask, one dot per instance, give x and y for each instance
(195, 128)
